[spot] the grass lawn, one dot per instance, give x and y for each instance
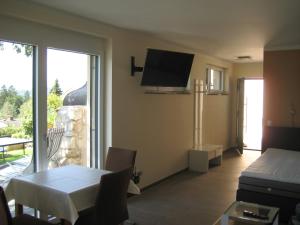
(13, 155)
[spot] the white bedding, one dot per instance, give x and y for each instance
(276, 164)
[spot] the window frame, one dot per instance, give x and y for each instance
(221, 80)
(42, 37)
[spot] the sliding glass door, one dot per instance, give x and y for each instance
(71, 105)
(65, 116)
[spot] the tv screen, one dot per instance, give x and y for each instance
(166, 68)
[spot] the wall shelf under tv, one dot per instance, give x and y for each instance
(168, 92)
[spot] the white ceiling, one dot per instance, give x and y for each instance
(222, 28)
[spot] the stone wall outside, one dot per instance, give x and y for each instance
(73, 148)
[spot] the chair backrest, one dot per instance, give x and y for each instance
(119, 159)
(5, 216)
(111, 202)
(54, 138)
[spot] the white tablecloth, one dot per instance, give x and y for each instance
(61, 192)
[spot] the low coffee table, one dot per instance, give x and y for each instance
(235, 214)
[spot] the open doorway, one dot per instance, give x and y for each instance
(253, 113)
(249, 113)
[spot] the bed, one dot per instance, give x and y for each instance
(274, 178)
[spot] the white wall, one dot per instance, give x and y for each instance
(160, 127)
(248, 70)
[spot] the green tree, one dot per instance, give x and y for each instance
(19, 48)
(54, 102)
(26, 117)
(9, 130)
(11, 96)
(15, 99)
(56, 88)
(27, 49)
(7, 110)
(11, 91)
(26, 96)
(3, 95)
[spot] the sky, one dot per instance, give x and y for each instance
(68, 67)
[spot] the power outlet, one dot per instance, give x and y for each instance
(136, 176)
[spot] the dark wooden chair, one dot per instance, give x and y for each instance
(118, 159)
(111, 201)
(6, 218)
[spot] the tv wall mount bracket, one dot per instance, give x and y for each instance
(135, 68)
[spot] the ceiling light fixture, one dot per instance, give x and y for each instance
(244, 57)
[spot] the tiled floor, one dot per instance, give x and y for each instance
(12, 169)
(191, 198)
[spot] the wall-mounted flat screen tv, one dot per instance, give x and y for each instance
(166, 68)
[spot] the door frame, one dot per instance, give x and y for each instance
(43, 36)
(95, 102)
(240, 114)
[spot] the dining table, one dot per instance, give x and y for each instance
(61, 192)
